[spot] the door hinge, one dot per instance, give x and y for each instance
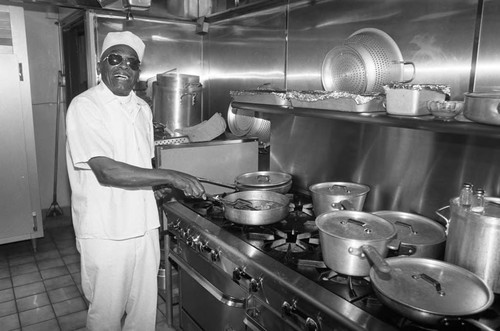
(21, 77)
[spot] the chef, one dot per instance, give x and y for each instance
(109, 150)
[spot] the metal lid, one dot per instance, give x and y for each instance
(414, 229)
(357, 225)
(344, 189)
(263, 179)
(432, 286)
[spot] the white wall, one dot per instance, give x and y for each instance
(45, 62)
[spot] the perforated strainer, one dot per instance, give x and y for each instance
(365, 61)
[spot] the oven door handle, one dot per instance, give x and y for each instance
(212, 289)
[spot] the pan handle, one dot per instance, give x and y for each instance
(215, 182)
(379, 263)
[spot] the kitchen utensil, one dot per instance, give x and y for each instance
(431, 292)
(483, 107)
(278, 207)
(329, 196)
(474, 240)
(264, 180)
(244, 123)
(347, 237)
(176, 100)
(367, 59)
(411, 99)
(240, 121)
(419, 236)
(445, 110)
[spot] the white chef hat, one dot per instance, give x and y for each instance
(124, 38)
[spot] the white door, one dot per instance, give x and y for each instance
(20, 215)
(16, 216)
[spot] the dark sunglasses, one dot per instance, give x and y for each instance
(116, 59)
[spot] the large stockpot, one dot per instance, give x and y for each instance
(330, 196)
(256, 217)
(177, 100)
(418, 235)
(347, 237)
(474, 240)
(432, 292)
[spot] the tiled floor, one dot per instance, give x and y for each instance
(41, 290)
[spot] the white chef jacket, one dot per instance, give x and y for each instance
(98, 125)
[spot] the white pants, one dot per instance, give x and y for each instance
(118, 277)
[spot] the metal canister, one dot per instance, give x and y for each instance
(474, 240)
(177, 100)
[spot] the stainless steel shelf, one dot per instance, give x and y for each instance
(379, 118)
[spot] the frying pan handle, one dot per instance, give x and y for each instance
(378, 261)
(215, 182)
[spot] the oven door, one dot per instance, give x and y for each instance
(208, 298)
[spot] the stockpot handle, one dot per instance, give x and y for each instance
(446, 220)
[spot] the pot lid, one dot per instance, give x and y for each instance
(263, 179)
(414, 229)
(356, 225)
(432, 286)
(344, 189)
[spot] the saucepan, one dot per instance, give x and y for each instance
(418, 235)
(432, 292)
(329, 196)
(351, 239)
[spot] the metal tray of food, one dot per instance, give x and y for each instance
(266, 97)
(337, 100)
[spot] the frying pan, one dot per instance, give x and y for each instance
(432, 292)
(277, 207)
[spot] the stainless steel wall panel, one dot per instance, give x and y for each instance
(244, 53)
(407, 170)
(488, 64)
(436, 35)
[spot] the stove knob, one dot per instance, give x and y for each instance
(175, 225)
(184, 233)
(191, 241)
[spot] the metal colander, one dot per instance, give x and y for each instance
(365, 61)
(345, 70)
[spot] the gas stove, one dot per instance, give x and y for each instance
(279, 270)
